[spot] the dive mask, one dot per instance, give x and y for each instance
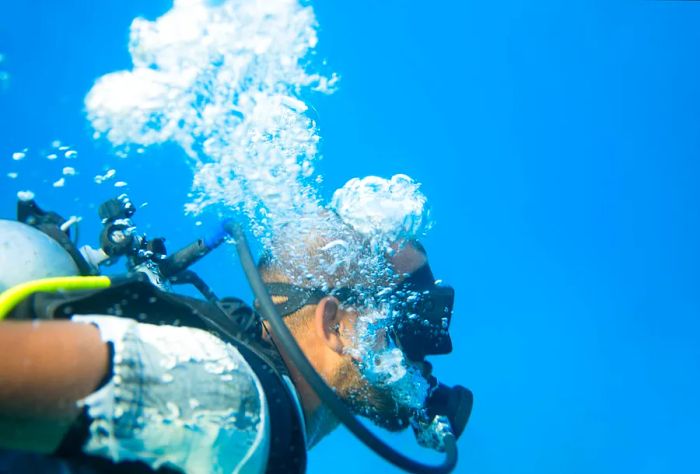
(424, 309)
(425, 314)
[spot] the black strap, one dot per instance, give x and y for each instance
(294, 297)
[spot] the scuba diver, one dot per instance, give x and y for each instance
(122, 374)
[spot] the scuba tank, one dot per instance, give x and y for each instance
(28, 254)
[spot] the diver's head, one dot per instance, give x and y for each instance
(28, 254)
(374, 360)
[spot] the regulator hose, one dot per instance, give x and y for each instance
(325, 393)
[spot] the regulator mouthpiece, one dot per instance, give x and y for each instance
(446, 414)
(455, 403)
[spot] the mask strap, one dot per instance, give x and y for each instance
(296, 297)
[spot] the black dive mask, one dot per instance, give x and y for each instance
(426, 313)
(425, 309)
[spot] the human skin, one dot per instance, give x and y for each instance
(46, 367)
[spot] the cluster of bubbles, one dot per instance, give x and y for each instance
(64, 169)
(57, 151)
(385, 211)
(382, 363)
(226, 81)
(222, 80)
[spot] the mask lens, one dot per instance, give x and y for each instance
(423, 328)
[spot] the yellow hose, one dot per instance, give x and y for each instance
(13, 296)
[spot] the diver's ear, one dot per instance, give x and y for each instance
(327, 323)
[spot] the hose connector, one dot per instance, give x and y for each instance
(432, 433)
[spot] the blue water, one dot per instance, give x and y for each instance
(558, 145)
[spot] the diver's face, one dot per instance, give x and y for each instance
(379, 382)
(375, 377)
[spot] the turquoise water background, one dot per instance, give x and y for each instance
(558, 144)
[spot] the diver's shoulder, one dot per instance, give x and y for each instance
(177, 395)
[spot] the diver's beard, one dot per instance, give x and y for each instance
(377, 380)
(381, 403)
(381, 409)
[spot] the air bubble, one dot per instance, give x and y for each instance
(99, 179)
(173, 409)
(383, 210)
(25, 195)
